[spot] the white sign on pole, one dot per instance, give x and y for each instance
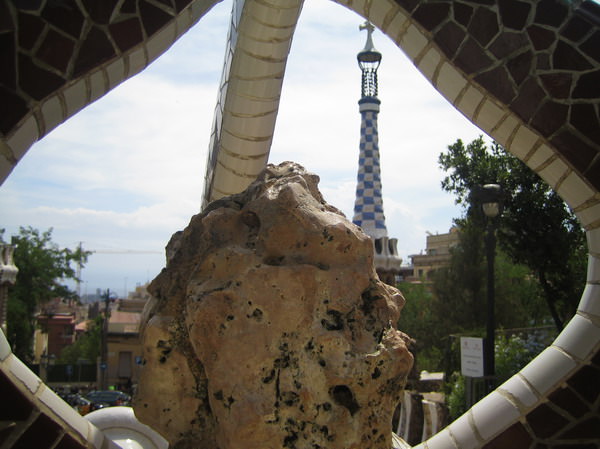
(471, 356)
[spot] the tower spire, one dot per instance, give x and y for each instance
(368, 205)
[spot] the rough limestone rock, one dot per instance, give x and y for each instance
(269, 328)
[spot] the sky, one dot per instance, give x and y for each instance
(120, 177)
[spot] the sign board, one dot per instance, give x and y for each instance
(471, 356)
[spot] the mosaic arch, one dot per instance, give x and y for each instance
(526, 72)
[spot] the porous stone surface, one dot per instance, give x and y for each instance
(270, 329)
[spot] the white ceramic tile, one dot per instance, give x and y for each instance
(5, 350)
(541, 155)
(489, 115)
(450, 82)
(183, 22)
(52, 112)
(64, 411)
(75, 97)
(590, 300)
(493, 414)
(463, 433)
(520, 391)
(579, 338)
(137, 61)
(161, 41)
(554, 172)
(523, 142)
(505, 129)
(441, 440)
(95, 436)
(470, 101)
(24, 137)
(588, 215)
(23, 373)
(593, 269)
(574, 190)
(429, 63)
(198, 9)
(547, 370)
(593, 240)
(413, 42)
(97, 85)
(6, 166)
(115, 72)
(380, 10)
(395, 25)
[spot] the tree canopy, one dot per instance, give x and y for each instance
(536, 228)
(43, 270)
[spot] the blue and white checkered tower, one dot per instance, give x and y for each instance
(368, 205)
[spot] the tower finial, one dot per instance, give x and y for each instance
(370, 28)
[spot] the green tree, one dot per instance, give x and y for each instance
(86, 347)
(43, 268)
(536, 229)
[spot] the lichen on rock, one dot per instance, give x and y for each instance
(270, 329)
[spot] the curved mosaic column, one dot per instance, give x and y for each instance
(260, 36)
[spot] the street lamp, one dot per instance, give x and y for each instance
(491, 204)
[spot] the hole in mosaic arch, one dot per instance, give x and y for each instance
(333, 192)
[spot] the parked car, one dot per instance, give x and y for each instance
(107, 398)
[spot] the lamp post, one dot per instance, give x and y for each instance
(491, 204)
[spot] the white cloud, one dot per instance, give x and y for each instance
(128, 171)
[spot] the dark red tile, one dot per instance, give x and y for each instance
(42, 434)
(558, 85)
(68, 442)
(591, 46)
(507, 44)
(575, 151)
(36, 81)
(471, 58)
(66, 16)
(588, 85)
(550, 12)
(569, 402)
(129, 7)
(585, 382)
(484, 26)
(575, 29)
(180, 5)
(462, 13)
(56, 50)
(153, 18)
(8, 70)
(541, 38)
(593, 175)
(432, 15)
(528, 100)
(514, 13)
(585, 120)
(497, 82)
(516, 436)
(30, 30)
(586, 429)
(519, 66)
(566, 57)
(545, 422)
(12, 109)
(6, 22)
(550, 117)
(449, 38)
(408, 5)
(95, 49)
(127, 33)
(100, 12)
